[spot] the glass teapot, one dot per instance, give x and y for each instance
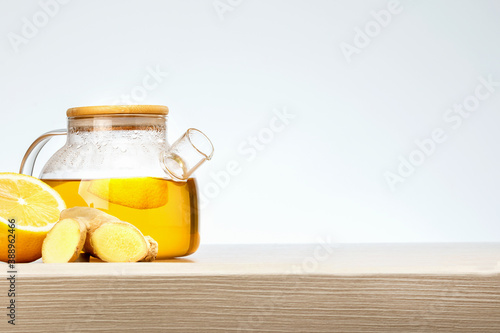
(117, 159)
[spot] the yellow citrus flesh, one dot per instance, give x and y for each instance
(139, 193)
(34, 206)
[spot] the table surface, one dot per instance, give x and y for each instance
(319, 259)
(280, 288)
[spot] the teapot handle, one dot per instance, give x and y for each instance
(29, 159)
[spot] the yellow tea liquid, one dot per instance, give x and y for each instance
(160, 208)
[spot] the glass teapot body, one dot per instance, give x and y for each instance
(116, 163)
(110, 146)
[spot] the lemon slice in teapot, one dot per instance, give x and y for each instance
(138, 193)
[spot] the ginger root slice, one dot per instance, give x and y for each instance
(112, 240)
(118, 241)
(64, 242)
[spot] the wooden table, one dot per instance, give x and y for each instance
(268, 288)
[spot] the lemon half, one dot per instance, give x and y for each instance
(34, 206)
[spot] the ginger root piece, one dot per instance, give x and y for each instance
(64, 242)
(152, 249)
(81, 212)
(112, 240)
(93, 218)
(118, 241)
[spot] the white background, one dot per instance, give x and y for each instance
(323, 175)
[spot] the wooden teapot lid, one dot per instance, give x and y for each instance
(85, 111)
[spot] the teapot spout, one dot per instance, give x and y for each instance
(187, 154)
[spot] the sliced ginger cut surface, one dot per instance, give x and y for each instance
(64, 242)
(119, 242)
